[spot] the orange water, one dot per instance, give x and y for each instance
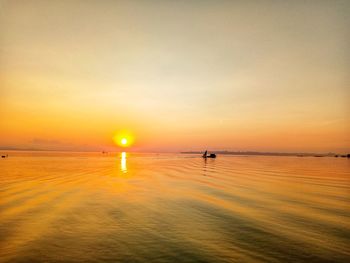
(59, 207)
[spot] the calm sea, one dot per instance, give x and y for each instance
(84, 207)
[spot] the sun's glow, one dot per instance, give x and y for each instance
(123, 139)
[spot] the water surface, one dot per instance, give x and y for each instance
(84, 207)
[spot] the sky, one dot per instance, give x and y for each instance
(177, 75)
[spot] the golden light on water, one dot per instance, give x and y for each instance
(123, 167)
(124, 195)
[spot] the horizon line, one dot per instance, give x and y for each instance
(182, 151)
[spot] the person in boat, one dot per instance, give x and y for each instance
(205, 154)
(212, 155)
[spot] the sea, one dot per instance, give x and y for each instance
(133, 207)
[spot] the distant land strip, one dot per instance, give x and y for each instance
(271, 153)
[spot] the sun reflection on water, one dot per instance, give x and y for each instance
(123, 167)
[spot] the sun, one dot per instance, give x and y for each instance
(123, 139)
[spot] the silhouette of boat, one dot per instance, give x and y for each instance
(205, 155)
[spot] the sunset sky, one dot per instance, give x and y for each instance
(177, 75)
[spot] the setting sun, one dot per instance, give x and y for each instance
(123, 138)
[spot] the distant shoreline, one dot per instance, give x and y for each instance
(270, 153)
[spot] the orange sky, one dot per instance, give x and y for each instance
(179, 75)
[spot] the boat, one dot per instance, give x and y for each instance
(205, 155)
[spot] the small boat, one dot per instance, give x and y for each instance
(205, 155)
